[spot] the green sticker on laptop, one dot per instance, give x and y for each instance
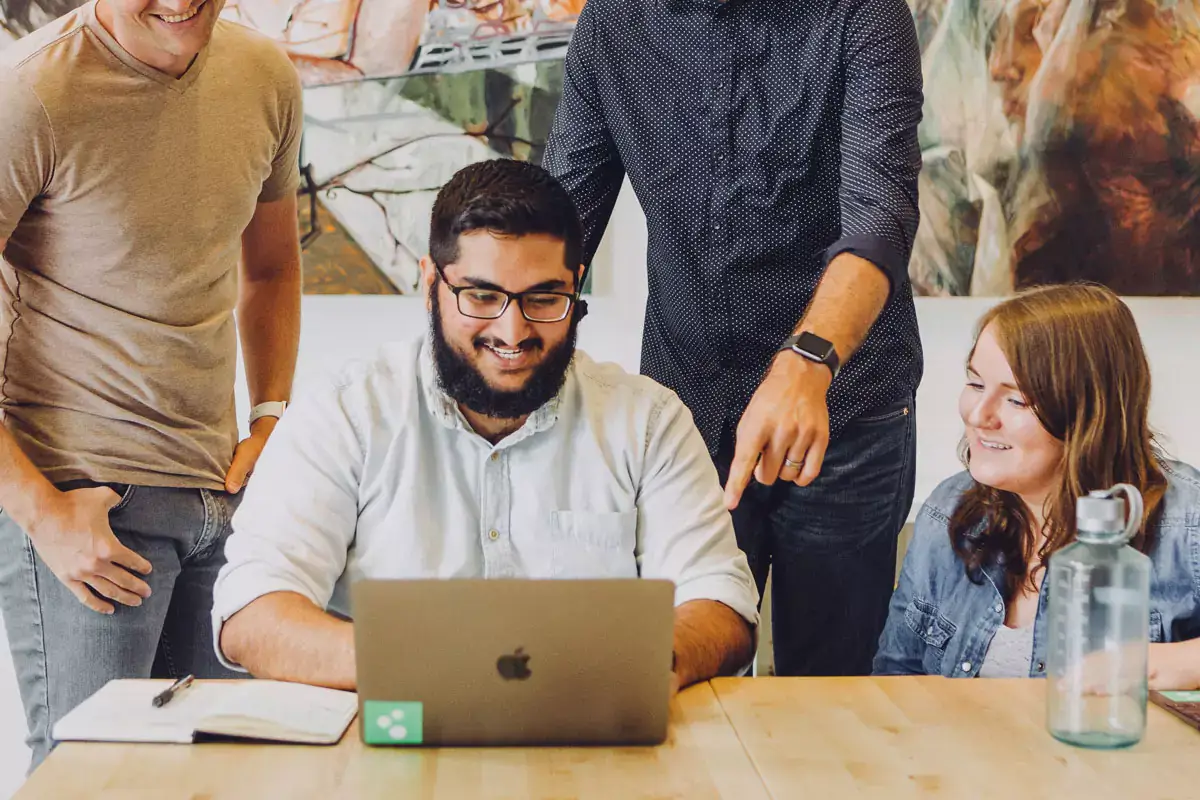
(393, 723)
(1182, 697)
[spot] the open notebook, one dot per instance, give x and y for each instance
(122, 711)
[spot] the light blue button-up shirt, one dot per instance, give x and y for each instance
(378, 475)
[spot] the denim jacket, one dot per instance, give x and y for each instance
(941, 623)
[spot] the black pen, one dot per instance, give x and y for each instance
(164, 697)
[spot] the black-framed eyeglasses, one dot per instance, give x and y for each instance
(480, 303)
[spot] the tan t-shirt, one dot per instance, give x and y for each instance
(124, 193)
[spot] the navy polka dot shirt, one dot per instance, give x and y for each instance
(762, 137)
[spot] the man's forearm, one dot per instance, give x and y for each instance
(849, 299)
(24, 491)
(269, 326)
(711, 639)
(283, 636)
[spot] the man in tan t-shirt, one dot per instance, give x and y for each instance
(145, 147)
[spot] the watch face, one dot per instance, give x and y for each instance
(811, 343)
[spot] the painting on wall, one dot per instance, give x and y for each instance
(399, 95)
(1061, 141)
(1060, 138)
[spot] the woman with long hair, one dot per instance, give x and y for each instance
(1055, 405)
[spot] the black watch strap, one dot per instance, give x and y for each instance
(814, 348)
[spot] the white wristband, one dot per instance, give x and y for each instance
(270, 409)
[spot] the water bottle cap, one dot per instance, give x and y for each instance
(1101, 517)
(1100, 513)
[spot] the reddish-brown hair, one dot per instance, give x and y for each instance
(1077, 358)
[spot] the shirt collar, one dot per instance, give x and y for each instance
(109, 42)
(446, 411)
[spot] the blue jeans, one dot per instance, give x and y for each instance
(63, 652)
(831, 545)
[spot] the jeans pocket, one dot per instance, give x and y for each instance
(884, 415)
(126, 490)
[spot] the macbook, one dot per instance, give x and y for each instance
(513, 662)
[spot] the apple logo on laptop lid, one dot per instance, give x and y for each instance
(515, 666)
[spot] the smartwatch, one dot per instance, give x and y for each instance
(814, 348)
(271, 409)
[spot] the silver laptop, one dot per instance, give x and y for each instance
(513, 662)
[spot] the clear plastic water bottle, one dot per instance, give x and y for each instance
(1099, 609)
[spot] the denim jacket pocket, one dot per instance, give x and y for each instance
(1157, 634)
(924, 619)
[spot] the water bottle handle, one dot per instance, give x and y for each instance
(1134, 504)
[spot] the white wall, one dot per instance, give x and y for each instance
(337, 329)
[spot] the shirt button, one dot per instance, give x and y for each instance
(495, 456)
(966, 666)
(493, 535)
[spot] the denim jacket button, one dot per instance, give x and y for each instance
(966, 666)
(930, 631)
(1041, 666)
(998, 607)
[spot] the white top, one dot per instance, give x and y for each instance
(378, 475)
(1009, 654)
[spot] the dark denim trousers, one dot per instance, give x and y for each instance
(63, 652)
(831, 545)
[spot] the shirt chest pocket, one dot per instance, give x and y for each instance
(593, 544)
(932, 629)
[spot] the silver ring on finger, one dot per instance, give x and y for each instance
(793, 464)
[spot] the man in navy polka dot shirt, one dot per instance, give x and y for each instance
(773, 146)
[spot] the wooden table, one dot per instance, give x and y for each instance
(895, 738)
(745, 739)
(701, 759)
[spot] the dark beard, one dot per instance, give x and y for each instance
(465, 385)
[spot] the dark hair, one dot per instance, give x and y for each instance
(505, 196)
(1077, 358)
